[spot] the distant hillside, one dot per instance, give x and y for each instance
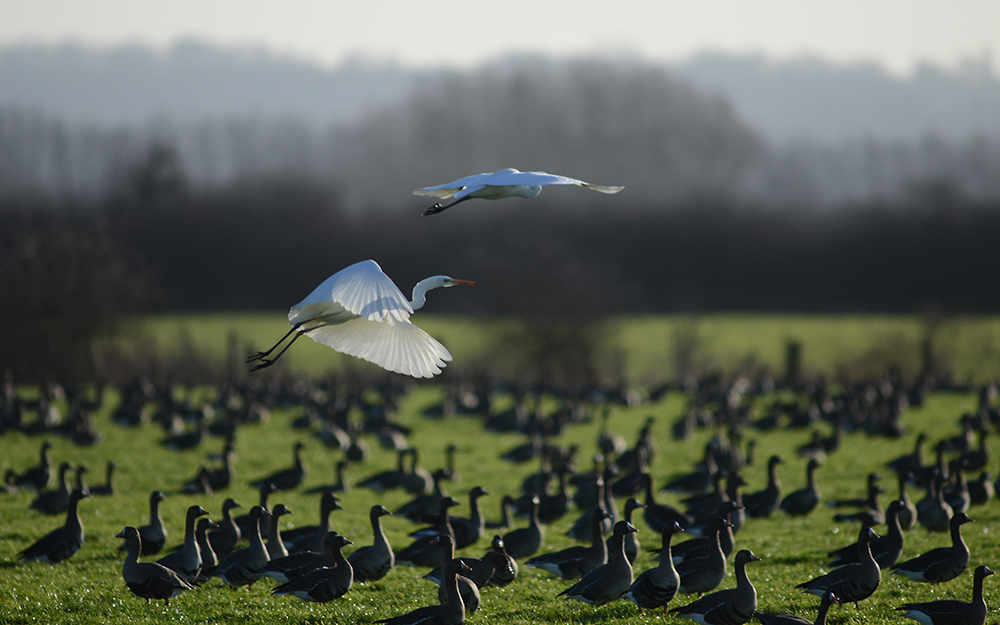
(192, 80)
(813, 100)
(806, 98)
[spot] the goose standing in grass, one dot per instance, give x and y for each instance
(912, 462)
(228, 535)
(373, 562)
(42, 475)
(240, 568)
(733, 606)
(311, 537)
(187, 561)
(451, 612)
(632, 546)
(149, 580)
(657, 515)
(525, 541)
(108, 488)
(950, 611)
(55, 501)
(469, 530)
(575, 562)
(154, 533)
(701, 575)
(702, 546)
(275, 545)
(981, 489)
(655, 587)
(885, 549)
(851, 582)
(422, 551)
(504, 566)
(766, 502)
(609, 581)
(287, 479)
(943, 563)
(62, 542)
(340, 486)
(933, 512)
(244, 521)
(469, 582)
(325, 583)
(500, 184)
(803, 501)
(767, 618)
(908, 513)
(389, 479)
(209, 559)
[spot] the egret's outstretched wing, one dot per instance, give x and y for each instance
(361, 289)
(541, 179)
(466, 184)
(396, 346)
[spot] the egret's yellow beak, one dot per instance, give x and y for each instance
(462, 281)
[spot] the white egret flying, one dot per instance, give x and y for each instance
(359, 311)
(501, 184)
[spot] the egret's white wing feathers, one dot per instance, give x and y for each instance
(397, 346)
(361, 289)
(506, 178)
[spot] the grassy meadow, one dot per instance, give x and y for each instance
(89, 589)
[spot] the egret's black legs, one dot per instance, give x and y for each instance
(261, 355)
(437, 208)
(267, 362)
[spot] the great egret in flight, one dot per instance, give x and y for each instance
(359, 311)
(500, 184)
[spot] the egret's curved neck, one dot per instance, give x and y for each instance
(420, 291)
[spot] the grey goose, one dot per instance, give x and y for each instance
(228, 535)
(153, 534)
(655, 587)
(766, 502)
(275, 544)
(451, 612)
(851, 582)
(187, 561)
(701, 575)
(701, 547)
(240, 568)
(422, 552)
(525, 541)
(504, 566)
(149, 580)
(311, 537)
(40, 476)
(607, 582)
(574, 562)
(801, 502)
(767, 618)
(885, 549)
(943, 563)
(469, 582)
(209, 559)
(950, 611)
(325, 583)
(290, 478)
(657, 515)
(733, 606)
(62, 542)
(373, 562)
(55, 501)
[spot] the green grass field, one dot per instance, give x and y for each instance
(89, 588)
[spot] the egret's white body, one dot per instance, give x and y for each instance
(501, 184)
(359, 311)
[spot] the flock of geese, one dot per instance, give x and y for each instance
(308, 562)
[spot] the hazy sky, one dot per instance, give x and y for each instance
(897, 33)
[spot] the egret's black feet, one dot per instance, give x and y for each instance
(264, 363)
(434, 210)
(255, 357)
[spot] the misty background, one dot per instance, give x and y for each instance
(205, 178)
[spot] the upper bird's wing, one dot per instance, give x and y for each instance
(397, 346)
(448, 190)
(540, 178)
(361, 289)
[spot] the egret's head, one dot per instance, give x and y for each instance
(439, 281)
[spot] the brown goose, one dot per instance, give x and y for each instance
(187, 561)
(607, 582)
(149, 580)
(658, 516)
(62, 542)
(504, 566)
(451, 612)
(311, 537)
(325, 583)
(851, 582)
(469, 583)
(40, 476)
(373, 562)
(804, 500)
(701, 575)
(655, 587)
(829, 599)
(764, 503)
(287, 479)
(952, 612)
(108, 488)
(240, 568)
(574, 562)
(941, 564)
(524, 542)
(733, 606)
(225, 539)
(209, 559)
(340, 486)
(885, 549)
(153, 534)
(275, 545)
(55, 501)
(422, 552)
(702, 547)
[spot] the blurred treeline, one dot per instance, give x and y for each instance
(130, 222)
